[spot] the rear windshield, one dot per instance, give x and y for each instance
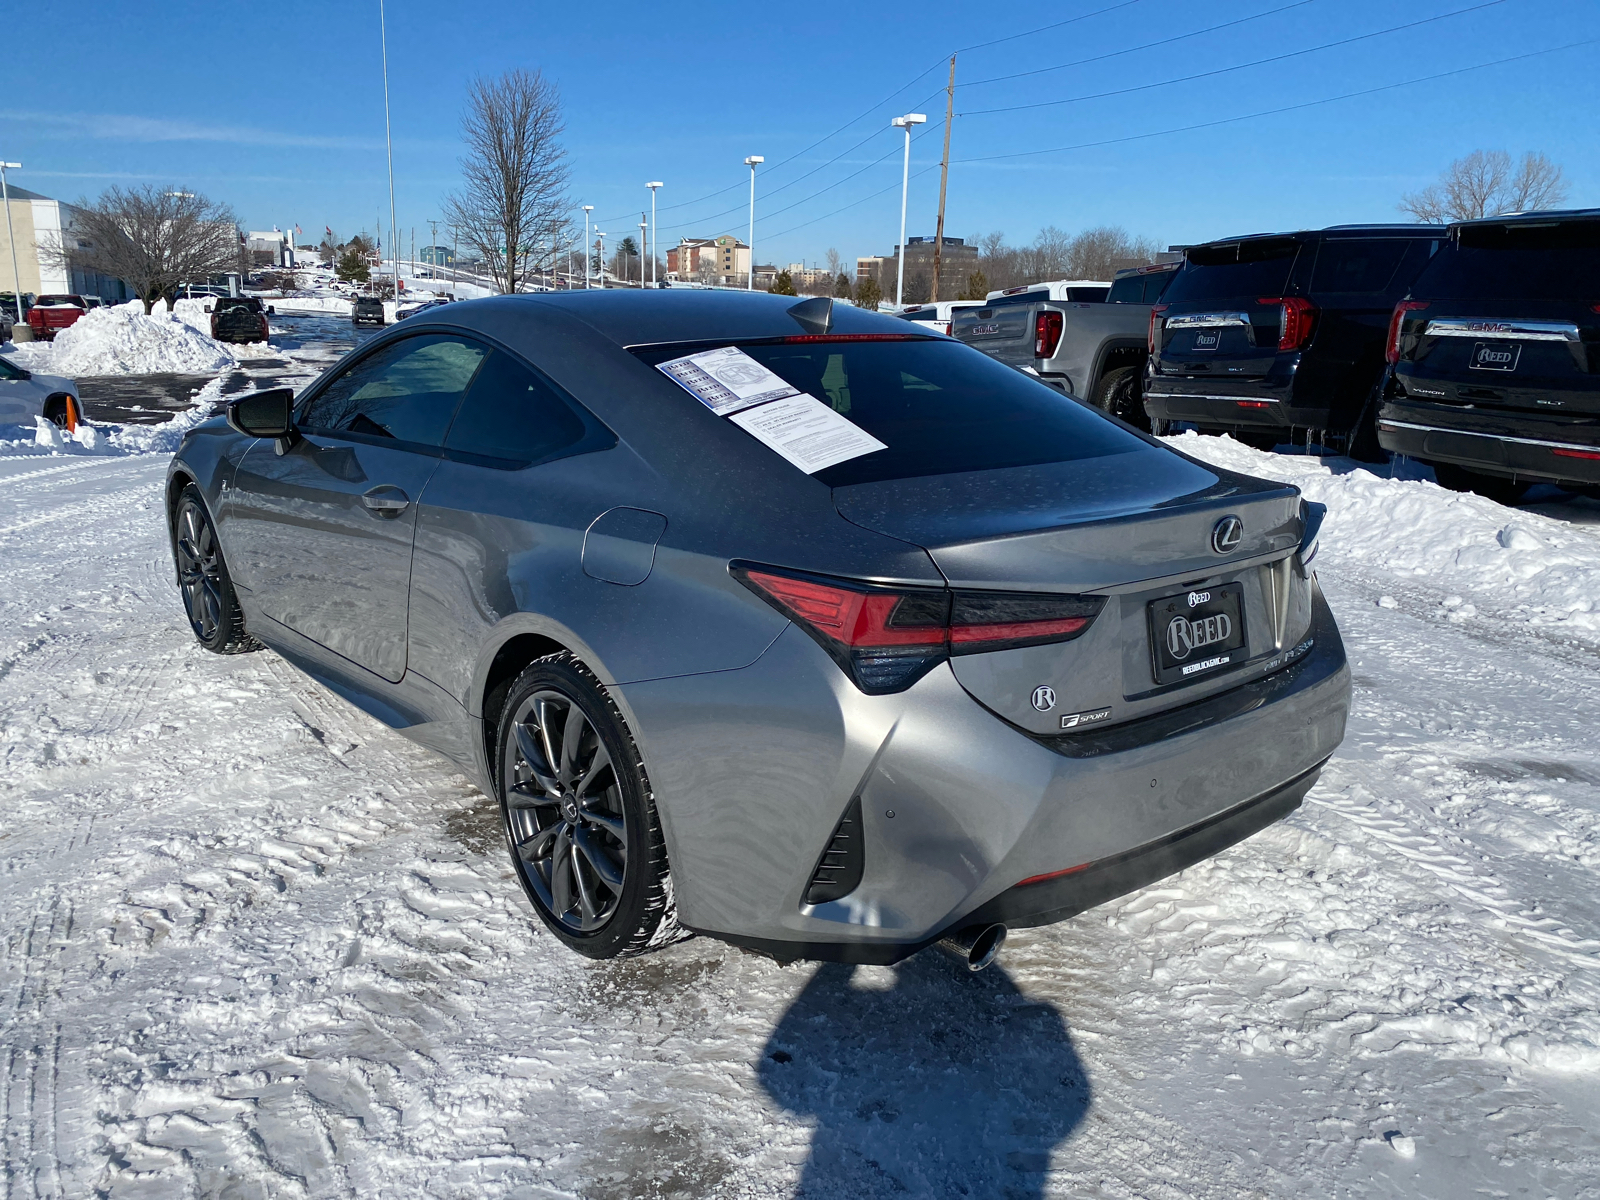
(940, 407)
(59, 302)
(1231, 270)
(1558, 261)
(1140, 289)
(1357, 264)
(1087, 295)
(249, 302)
(931, 314)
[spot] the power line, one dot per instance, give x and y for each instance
(1144, 87)
(1166, 41)
(1388, 87)
(868, 112)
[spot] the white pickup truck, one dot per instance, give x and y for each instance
(1087, 338)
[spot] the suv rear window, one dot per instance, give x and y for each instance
(1555, 261)
(1140, 289)
(1229, 270)
(1357, 264)
(940, 407)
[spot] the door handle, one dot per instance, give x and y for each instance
(386, 500)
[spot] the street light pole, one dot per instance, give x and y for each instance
(16, 276)
(653, 187)
(388, 141)
(643, 225)
(905, 122)
(600, 243)
(587, 209)
(751, 162)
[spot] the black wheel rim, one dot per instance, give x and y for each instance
(564, 813)
(199, 572)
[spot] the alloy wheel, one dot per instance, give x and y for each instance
(199, 572)
(564, 812)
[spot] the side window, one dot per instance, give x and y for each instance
(1357, 264)
(7, 371)
(407, 391)
(513, 416)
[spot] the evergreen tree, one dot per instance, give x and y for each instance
(977, 287)
(841, 287)
(783, 285)
(868, 293)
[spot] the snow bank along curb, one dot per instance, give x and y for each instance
(1518, 565)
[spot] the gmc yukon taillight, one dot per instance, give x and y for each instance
(1153, 339)
(1296, 316)
(1046, 333)
(1397, 323)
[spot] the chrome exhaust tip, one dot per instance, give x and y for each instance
(976, 945)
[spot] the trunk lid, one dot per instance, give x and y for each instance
(1215, 322)
(1528, 355)
(1134, 527)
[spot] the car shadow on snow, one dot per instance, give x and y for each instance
(923, 1079)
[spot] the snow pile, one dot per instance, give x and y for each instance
(1515, 564)
(121, 340)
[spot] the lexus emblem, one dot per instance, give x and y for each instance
(1044, 697)
(1226, 535)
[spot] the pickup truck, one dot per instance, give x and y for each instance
(51, 314)
(1091, 348)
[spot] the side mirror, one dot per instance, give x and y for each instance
(272, 310)
(268, 414)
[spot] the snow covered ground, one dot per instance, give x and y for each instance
(257, 945)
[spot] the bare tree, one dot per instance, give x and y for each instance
(1054, 254)
(835, 263)
(514, 195)
(153, 238)
(1485, 184)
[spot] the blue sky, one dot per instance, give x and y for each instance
(278, 109)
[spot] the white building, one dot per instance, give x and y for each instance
(41, 226)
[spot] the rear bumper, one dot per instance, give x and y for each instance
(1530, 446)
(1225, 404)
(958, 807)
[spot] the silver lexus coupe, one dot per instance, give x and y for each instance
(776, 622)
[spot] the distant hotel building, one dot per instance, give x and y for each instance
(721, 260)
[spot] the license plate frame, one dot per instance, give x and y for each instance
(1215, 649)
(1495, 356)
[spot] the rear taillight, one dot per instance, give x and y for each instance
(1153, 338)
(1296, 316)
(1565, 452)
(1046, 333)
(887, 638)
(1397, 324)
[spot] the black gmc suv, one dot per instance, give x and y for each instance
(1276, 337)
(1495, 354)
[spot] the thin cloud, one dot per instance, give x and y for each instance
(126, 127)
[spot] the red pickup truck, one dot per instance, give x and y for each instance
(51, 314)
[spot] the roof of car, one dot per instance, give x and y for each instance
(1535, 218)
(649, 317)
(1333, 231)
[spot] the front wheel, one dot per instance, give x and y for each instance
(208, 595)
(578, 814)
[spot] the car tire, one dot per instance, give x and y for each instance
(578, 814)
(1491, 487)
(1118, 394)
(209, 600)
(62, 411)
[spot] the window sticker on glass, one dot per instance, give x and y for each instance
(806, 432)
(727, 380)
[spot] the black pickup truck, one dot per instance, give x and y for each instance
(1280, 337)
(1495, 353)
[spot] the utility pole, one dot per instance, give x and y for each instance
(643, 225)
(944, 176)
(433, 239)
